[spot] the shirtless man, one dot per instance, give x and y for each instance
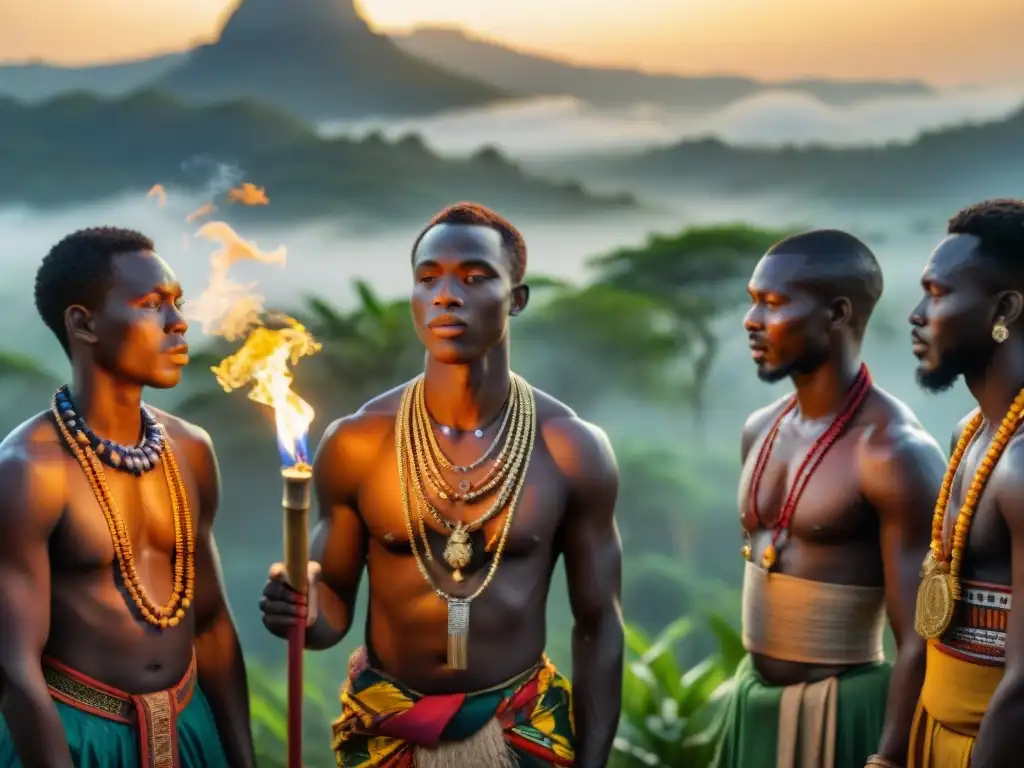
(969, 324)
(825, 564)
(118, 651)
(487, 696)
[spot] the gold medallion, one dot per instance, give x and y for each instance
(458, 551)
(935, 604)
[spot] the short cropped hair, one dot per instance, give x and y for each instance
(999, 226)
(839, 265)
(474, 214)
(78, 270)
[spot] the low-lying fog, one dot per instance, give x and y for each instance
(562, 126)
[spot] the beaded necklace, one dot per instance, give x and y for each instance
(172, 612)
(940, 576)
(136, 459)
(854, 399)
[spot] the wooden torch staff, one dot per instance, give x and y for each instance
(295, 503)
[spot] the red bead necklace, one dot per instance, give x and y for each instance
(854, 399)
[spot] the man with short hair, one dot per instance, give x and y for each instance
(838, 482)
(458, 492)
(119, 649)
(969, 324)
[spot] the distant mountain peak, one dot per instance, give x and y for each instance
(319, 59)
(285, 17)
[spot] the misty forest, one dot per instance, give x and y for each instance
(645, 201)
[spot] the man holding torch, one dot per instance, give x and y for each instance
(118, 647)
(458, 492)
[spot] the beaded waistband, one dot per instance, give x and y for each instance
(978, 629)
(155, 714)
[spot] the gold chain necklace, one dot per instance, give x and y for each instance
(458, 607)
(940, 576)
(427, 467)
(458, 551)
(431, 455)
(182, 592)
(421, 407)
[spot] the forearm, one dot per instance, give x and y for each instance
(904, 692)
(597, 689)
(333, 620)
(33, 722)
(998, 742)
(223, 682)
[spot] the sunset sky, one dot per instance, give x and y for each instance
(937, 40)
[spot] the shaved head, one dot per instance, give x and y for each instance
(832, 264)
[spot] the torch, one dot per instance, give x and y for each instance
(295, 503)
(296, 476)
(264, 361)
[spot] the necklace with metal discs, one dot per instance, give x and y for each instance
(137, 459)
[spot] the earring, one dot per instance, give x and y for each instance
(1000, 332)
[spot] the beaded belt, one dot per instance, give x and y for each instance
(978, 629)
(154, 714)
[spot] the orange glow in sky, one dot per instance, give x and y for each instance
(938, 40)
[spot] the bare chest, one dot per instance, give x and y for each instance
(820, 500)
(987, 555)
(519, 525)
(141, 509)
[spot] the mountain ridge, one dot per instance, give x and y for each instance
(542, 74)
(125, 145)
(972, 159)
(35, 81)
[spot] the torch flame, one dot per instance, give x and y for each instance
(264, 361)
(248, 194)
(232, 311)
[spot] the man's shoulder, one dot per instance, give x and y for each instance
(578, 447)
(35, 441)
(1008, 482)
(895, 445)
(889, 424)
(32, 470)
(351, 445)
(961, 425)
(372, 422)
(183, 431)
(192, 443)
(758, 421)
(1011, 465)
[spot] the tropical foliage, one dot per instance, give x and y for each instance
(670, 713)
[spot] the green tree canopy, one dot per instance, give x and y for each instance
(695, 274)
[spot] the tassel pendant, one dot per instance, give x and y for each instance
(458, 633)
